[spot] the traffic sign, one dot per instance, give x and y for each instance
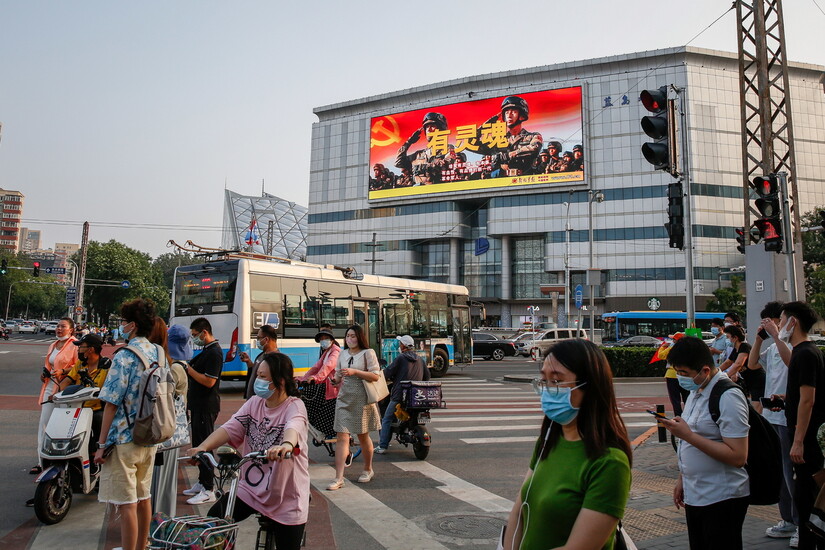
(579, 293)
(125, 284)
(71, 296)
(55, 270)
(78, 309)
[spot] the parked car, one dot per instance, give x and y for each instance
(635, 341)
(50, 327)
(13, 324)
(522, 342)
(28, 327)
(490, 347)
(547, 338)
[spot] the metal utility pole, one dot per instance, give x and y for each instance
(84, 250)
(684, 177)
(374, 246)
(567, 266)
(597, 196)
(788, 248)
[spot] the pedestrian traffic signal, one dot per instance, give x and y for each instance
(4, 267)
(741, 239)
(36, 269)
(770, 209)
(661, 153)
(675, 225)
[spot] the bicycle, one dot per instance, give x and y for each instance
(211, 532)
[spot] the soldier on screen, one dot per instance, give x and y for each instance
(513, 149)
(578, 159)
(426, 164)
(554, 165)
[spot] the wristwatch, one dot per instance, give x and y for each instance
(101, 445)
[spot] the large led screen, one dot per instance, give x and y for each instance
(520, 140)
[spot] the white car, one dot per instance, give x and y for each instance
(51, 327)
(28, 327)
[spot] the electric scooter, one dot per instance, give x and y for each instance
(413, 414)
(67, 462)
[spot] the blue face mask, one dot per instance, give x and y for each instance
(688, 383)
(557, 406)
(262, 390)
(124, 333)
(261, 345)
(197, 340)
(714, 331)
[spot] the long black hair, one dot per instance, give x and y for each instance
(598, 421)
(280, 370)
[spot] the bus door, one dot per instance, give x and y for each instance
(462, 335)
(365, 313)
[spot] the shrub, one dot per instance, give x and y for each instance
(634, 362)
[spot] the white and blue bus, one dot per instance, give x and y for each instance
(241, 292)
(623, 324)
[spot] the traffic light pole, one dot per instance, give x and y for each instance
(788, 236)
(688, 208)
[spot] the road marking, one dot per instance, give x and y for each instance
(492, 402)
(485, 440)
(5, 351)
(473, 384)
(484, 418)
(491, 428)
(637, 424)
(449, 410)
(389, 528)
(458, 488)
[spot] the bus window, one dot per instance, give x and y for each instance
(438, 321)
(300, 312)
(335, 312)
(205, 290)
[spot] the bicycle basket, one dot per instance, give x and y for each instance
(192, 532)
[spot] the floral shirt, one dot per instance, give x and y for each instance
(122, 386)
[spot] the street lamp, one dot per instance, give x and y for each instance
(566, 265)
(597, 196)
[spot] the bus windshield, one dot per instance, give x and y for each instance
(205, 291)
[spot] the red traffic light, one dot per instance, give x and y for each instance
(769, 229)
(654, 100)
(766, 185)
(36, 264)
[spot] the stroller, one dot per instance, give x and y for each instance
(321, 417)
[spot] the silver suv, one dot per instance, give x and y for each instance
(543, 340)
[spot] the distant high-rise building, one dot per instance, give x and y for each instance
(12, 203)
(29, 239)
(66, 249)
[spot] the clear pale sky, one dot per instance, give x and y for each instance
(130, 113)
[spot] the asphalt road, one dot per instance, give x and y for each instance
(457, 498)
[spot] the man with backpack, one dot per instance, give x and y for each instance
(203, 401)
(804, 409)
(713, 483)
(407, 366)
(126, 474)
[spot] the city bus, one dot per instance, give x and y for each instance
(623, 324)
(241, 292)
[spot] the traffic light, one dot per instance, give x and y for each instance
(4, 267)
(661, 153)
(675, 225)
(741, 239)
(769, 207)
(36, 269)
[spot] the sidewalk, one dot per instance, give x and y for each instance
(654, 523)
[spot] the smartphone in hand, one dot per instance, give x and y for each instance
(763, 334)
(776, 403)
(657, 415)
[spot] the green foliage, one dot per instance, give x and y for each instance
(29, 297)
(728, 299)
(634, 362)
(813, 252)
(166, 264)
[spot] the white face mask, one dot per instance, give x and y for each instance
(786, 332)
(63, 338)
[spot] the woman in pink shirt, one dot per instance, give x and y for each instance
(274, 420)
(319, 396)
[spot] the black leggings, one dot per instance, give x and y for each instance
(287, 537)
(677, 395)
(717, 526)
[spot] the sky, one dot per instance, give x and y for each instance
(135, 116)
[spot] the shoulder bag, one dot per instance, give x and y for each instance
(181, 436)
(378, 390)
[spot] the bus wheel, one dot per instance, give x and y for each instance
(440, 363)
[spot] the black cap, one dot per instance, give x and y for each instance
(91, 340)
(324, 332)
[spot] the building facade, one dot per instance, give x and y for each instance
(504, 240)
(12, 206)
(29, 239)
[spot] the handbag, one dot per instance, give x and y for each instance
(181, 436)
(622, 540)
(376, 391)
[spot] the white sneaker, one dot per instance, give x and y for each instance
(782, 530)
(366, 476)
(794, 542)
(204, 497)
(380, 450)
(196, 488)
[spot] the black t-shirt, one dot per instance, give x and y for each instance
(807, 368)
(743, 348)
(208, 362)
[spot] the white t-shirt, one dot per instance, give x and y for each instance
(706, 480)
(776, 381)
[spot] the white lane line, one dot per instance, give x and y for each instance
(487, 410)
(485, 418)
(5, 351)
(389, 528)
(639, 424)
(485, 440)
(474, 385)
(491, 402)
(458, 488)
(488, 428)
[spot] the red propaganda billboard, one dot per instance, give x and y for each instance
(508, 141)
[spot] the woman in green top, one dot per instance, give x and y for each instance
(579, 477)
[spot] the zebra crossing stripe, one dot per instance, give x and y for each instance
(486, 440)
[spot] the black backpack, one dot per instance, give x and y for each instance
(764, 462)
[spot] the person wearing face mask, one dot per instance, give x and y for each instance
(91, 363)
(804, 409)
(60, 358)
(320, 393)
(275, 421)
(720, 341)
(712, 482)
(774, 358)
(267, 342)
(578, 483)
(203, 401)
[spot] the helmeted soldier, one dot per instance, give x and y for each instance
(424, 166)
(523, 147)
(578, 159)
(554, 149)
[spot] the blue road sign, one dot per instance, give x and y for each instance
(71, 296)
(125, 284)
(579, 293)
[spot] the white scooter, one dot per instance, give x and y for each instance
(67, 464)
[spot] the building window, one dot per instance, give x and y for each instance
(435, 261)
(528, 267)
(481, 274)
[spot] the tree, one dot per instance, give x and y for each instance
(813, 253)
(29, 297)
(167, 263)
(727, 299)
(114, 261)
